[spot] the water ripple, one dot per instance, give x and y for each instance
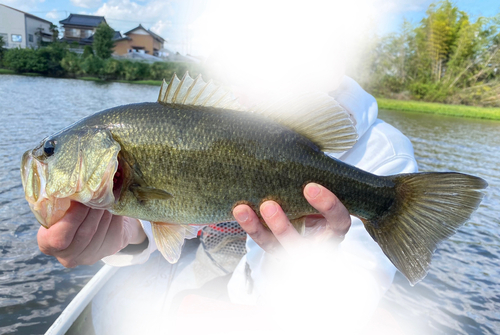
(460, 295)
(35, 288)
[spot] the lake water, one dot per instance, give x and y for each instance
(460, 295)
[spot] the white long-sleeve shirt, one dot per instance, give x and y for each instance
(360, 269)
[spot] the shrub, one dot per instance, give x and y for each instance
(112, 69)
(87, 51)
(53, 56)
(24, 60)
(71, 64)
(135, 70)
(92, 65)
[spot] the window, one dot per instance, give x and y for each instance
(16, 38)
(74, 32)
(88, 33)
(30, 37)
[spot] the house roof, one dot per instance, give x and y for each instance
(83, 20)
(117, 36)
(158, 37)
(28, 14)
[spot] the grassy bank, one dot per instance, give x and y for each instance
(139, 82)
(436, 108)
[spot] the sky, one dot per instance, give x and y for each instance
(184, 22)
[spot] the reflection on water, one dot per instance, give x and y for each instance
(460, 295)
(35, 288)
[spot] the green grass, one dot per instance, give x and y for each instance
(91, 79)
(140, 82)
(5, 71)
(443, 109)
(29, 74)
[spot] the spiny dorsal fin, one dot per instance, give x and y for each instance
(316, 116)
(196, 92)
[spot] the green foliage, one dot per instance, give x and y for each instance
(25, 60)
(447, 57)
(103, 41)
(436, 108)
(52, 55)
(55, 32)
(135, 70)
(87, 51)
(92, 65)
(46, 61)
(112, 69)
(71, 64)
(2, 50)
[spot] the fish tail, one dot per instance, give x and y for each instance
(428, 208)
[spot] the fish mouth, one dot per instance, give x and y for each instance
(47, 210)
(118, 180)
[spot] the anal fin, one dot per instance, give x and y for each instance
(170, 238)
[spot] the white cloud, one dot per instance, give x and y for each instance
(156, 15)
(53, 15)
(86, 3)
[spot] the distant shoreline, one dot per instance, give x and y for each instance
(138, 82)
(475, 112)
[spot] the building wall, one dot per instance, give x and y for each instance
(32, 26)
(121, 47)
(76, 33)
(145, 42)
(12, 23)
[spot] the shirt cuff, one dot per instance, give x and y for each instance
(130, 257)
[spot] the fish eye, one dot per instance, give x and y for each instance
(49, 147)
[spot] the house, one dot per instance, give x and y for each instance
(90, 40)
(20, 29)
(141, 40)
(79, 28)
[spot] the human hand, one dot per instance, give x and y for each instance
(332, 224)
(85, 235)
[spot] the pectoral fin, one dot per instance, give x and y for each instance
(169, 238)
(149, 193)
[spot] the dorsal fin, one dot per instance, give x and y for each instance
(196, 92)
(317, 116)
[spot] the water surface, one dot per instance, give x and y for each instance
(461, 294)
(35, 288)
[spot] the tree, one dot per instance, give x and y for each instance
(2, 43)
(447, 57)
(55, 32)
(87, 51)
(103, 41)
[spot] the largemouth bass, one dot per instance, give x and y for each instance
(189, 158)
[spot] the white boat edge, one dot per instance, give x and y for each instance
(82, 299)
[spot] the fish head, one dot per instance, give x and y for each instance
(74, 164)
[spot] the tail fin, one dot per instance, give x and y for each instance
(429, 207)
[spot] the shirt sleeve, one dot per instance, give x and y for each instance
(123, 258)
